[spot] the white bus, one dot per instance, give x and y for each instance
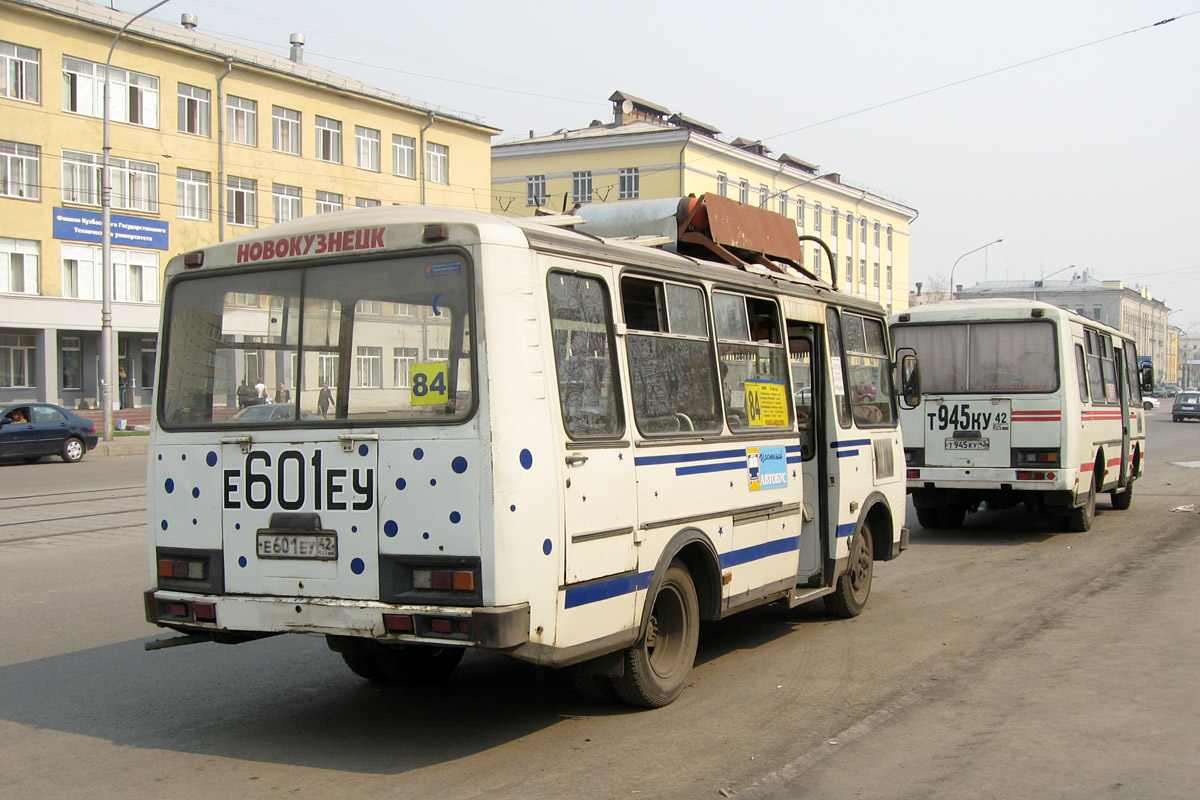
(1023, 402)
(512, 435)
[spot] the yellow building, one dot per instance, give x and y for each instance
(209, 140)
(647, 152)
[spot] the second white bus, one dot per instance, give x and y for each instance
(1023, 402)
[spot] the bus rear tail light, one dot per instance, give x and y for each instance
(1035, 458)
(444, 580)
(1025, 475)
(205, 612)
(398, 623)
(186, 611)
(184, 568)
(914, 474)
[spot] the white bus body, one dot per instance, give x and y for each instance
(1023, 402)
(535, 442)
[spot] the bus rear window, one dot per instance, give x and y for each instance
(983, 357)
(372, 342)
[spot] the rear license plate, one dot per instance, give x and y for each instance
(968, 444)
(316, 547)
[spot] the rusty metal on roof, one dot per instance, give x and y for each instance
(638, 102)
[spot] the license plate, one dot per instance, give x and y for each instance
(968, 444)
(313, 546)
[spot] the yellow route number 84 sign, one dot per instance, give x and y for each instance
(766, 404)
(428, 382)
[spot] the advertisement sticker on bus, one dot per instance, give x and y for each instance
(766, 404)
(428, 383)
(767, 467)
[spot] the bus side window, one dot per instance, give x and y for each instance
(1081, 369)
(801, 364)
(584, 357)
(753, 362)
(672, 374)
(868, 370)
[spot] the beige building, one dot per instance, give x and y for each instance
(647, 152)
(209, 141)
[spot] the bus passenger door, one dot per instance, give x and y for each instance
(1125, 389)
(807, 394)
(599, 499)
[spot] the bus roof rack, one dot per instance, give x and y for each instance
(707, 226)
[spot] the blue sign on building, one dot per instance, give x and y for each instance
(79, 225)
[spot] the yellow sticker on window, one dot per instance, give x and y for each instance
(766, 404)
(428, 382)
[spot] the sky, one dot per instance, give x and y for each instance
(1068, 128)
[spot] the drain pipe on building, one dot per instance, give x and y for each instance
(221, 148)
(424, 157)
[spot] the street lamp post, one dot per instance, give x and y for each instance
(964, 255)
(106, 343)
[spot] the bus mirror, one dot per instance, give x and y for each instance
(910, 379)
(1147, 374)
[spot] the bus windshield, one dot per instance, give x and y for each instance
(370, 341)
(983, 357)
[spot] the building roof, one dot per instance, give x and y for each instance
(639, 103)
(191, 39)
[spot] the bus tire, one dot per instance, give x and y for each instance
(418, 664)
(951, 517)
(928, 517)
(1079, 518)
(365, 666)
(1122, 500)
(850, 595)
(658, 666)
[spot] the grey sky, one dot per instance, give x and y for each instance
(1086, 158)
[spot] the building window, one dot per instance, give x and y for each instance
(535, 190)
(148, 348)
(241, 121)
(833, 224)
(889, 277)
(889, 237)
(743, 191)
(285, 130)
(20, 72)
(241, 201)
(404, 156)
(18, 354)
(134, 184)
(328, 202)
(366, 145)
(764, 196)
(81, 275)
(80, 178)
(817, 218)
(800, 209)
(365, 202)
(437, 163)
(286, 200)
(193, 110)
(877, 233)
(402, 360)
(71, 361)
(722, 184)
(629, 183)
(194, 194)
(849, 227)
(862, 224)
(329, 140)
(817, 261)
(135, 275)
(369, 361)
(133, 96)
(18, 266)
(862, 272)
(581, 187)
(327, 370)
(20, 170)
(876, 274)
(849, 269)
(783, 204)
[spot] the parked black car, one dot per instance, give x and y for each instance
(33, 430)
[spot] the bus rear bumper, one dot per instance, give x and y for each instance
(243, 617)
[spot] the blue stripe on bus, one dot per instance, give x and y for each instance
(844, 453)
(846, 529)
(795, 459)
(850, 443)
(722, 467)
(764, 550)
(649, 461)
(604, 590)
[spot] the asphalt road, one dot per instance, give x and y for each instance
(1001, 660)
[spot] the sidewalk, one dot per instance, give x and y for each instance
(122, 446)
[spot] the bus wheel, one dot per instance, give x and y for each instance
(364, 665)
(1122, 500)
(1079, 518)
(951, 516)
(928, 517)
(418, 664)
(657, 667)
(854, 586)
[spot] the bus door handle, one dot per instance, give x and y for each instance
(348, 440)
(243, 442)
(576, 458)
